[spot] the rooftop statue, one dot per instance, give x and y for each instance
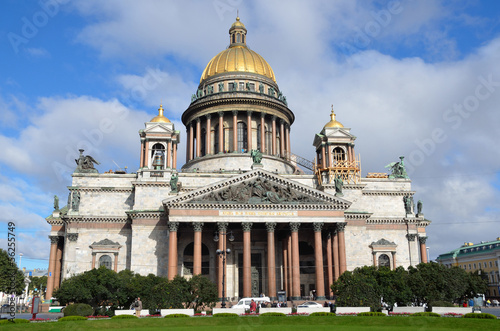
(398, 169)
(56, 202)
(419, 207)
(173, 182)
(256, 156)
(85, 164)
(339, 184)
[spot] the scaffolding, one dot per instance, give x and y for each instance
(349, 171)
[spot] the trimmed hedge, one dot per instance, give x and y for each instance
(441, 304)
(322, 313)
(72, 318)
(371, 313)
(226, 315)
(78, 309)
(15, 321)
(480, 315)
(426, 314)
(176, 315)
(123, 317)
(272, 313)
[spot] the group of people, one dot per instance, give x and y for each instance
(331, 305)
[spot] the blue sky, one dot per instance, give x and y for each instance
(413, 78)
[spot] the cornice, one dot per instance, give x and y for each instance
(146, 214)
(105, 189)
(97, 219)
(388, 192)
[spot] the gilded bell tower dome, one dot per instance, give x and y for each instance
(238, 107)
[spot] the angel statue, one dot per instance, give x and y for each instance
(256, 156)
(85, 164)
(398, 169)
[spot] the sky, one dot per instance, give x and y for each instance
(411, 78)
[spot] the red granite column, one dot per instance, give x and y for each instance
(262, 134)
(198, 137)
(146, 155)
(115, 267)
(249, 130)
(329, 260)
(172, 249)
(221, 132)
(294, 227)
(57, 279)
(271, 261)
(288, 148)
(282, 138)
(329, 159)
(423, 249)
(247, 260)
(285, 265)
(274, 135)
(52, 266)
(222, 227)
(141, 164)
(335, 249)
(191, 142)
(208, 147)
(323, 163)
(169, 154)
(198, 227)
(290, 265)
(318, 256)
(235, 130)
(342, 257)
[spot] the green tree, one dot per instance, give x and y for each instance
(11, 277)
(39, 283)
(203, 292)
(358, 288)
(393, 286)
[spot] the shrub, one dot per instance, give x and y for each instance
(72, 318)
(480, 315)
(176, 315)
(272, 314)
(371, 313)
(226, 315)
(322, 313)
(78, 309)
(427, 314)
(441, 304)
(15, 320)
(123, 317)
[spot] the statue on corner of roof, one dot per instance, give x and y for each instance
(85, 164)
(173, 182)
(339, 184)
(398, 169)
(256, 156)
(56, 202)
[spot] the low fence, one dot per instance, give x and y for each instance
(452, 310)
(411, 310)
(352, 310)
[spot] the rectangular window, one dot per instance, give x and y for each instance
(485, 265)
(474, 266)
(470, 267)
(242, 86)
(491, 264)
(252, 86)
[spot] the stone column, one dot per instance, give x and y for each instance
(374, 258)
(222, 227)
(294, 227)
(221, 132)
(323, 155)
(282, 138)
(271, 260)
(394, 261)
(411, 238)
(274, 136)
(169, 154)
(191, 142)
(249, 130)
(172, 249)
(285, 265)
(142, 154)
(288, 148)
(262, 134)
(335, 250)
(198, 227)
(198, 137)
(146, 155)
(174, 159)
(342, 257)
(423, 249)
(318, 256)
(235, 130)
(329, 261)
(52, 266)
(57, 278)
(208, 140)
(115, 268)
(247, 260)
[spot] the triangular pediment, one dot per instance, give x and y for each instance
(258, 189)
(159, 128)
(338, 133)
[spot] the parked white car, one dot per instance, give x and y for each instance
(310, 304)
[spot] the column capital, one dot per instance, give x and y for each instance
(294, 227)
(317, 226)
(173, 226)
(54, 239)
(221, 113)
(422, 239)
(198, 120)
(198, 226)
(235, 112)
(273, 118)
(222, 226)
(282, 121)
(263, 114)
(341, 227)
(270, 226)
(247, 226)
(249, 112)
(208, 116)
(411, 236)
(72, 236)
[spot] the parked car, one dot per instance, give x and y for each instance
(310, 304)
(495, 303)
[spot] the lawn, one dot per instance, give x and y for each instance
(270, 323)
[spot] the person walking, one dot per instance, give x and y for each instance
(253, 307)
(138, 307)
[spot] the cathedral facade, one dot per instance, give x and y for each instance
(241, 210)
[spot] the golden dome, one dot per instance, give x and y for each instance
(238, 57)
(333, 122)
(160, 117)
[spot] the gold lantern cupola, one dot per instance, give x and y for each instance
(333, 122)
(237, 34)
(160, 117)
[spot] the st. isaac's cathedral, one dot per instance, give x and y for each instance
(282, 223)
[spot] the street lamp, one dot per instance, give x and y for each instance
(428, 251)
(222, 254)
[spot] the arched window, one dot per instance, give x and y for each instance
(384, 261)
(338, 154)
(234, 40)
(105, 260)
(242, 137)
(238, 38)
(158, 156)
